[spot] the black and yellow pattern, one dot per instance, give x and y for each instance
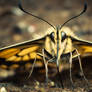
(58, 48)
(21, 56)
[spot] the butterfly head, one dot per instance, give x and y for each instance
(58, 41)
(58, 38)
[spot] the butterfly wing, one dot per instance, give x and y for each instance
(84, 47)
(22, 55)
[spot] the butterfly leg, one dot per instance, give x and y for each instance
(32, 68)
(46, 66)
(82, 69)
(70, 61)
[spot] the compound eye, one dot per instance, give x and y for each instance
(63, 36)
(52, 35)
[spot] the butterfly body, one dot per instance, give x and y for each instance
(21, 56)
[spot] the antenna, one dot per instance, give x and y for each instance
(20, 6)
(83, 11)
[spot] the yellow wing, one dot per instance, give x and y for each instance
(84, 47)
(21, 55)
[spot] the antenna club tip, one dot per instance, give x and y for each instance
(19, 4)
(85, 6)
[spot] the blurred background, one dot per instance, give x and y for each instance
(16, 26)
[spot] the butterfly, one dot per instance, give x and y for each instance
(58, 48)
